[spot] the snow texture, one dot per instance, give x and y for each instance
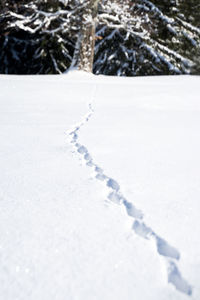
(108, 212)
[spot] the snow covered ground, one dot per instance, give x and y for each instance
(99, 187)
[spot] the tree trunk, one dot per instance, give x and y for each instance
(84, 52)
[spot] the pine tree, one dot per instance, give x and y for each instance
(137, 37)
(35, 37)
(162, 39)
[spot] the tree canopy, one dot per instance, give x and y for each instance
(118, 37)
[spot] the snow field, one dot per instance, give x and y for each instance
(99, 187)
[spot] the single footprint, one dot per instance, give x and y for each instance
(113, 184)
(174, 277)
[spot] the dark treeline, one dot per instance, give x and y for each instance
(132, 38)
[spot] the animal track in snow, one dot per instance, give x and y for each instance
(174, 277)
(113, 184)
(169, 253)
(132, 211)
(115, 197)
(163, 248)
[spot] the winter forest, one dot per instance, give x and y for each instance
(110, 37)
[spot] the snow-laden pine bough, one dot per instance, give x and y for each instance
(114, 37)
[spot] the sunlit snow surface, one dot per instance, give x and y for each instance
(99, 187)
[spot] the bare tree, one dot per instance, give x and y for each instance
(84, 51)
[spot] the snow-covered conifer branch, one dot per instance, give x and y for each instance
(133, 37)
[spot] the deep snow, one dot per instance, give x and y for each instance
(99, 187)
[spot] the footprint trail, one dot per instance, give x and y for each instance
(170, 254)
